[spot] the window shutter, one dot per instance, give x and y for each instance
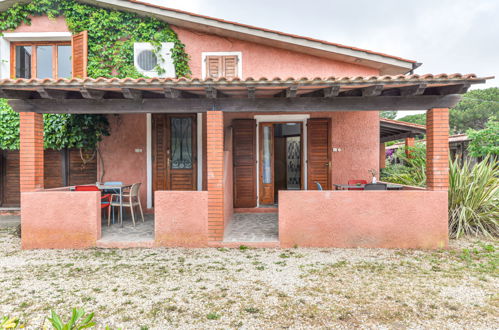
(230, 66)
(79, 43)
(214, 67)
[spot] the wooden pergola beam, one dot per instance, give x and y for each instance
(92, 94)
(192, 105)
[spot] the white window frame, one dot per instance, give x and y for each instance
(239, 61)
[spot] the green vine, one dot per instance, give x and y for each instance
(111, 36)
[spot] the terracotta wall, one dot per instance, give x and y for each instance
(44, 24)
(121, 161)
(181, 218)
(60, 219)
(372, 219)
(264, 61)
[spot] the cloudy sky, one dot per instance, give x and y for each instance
(447, 36)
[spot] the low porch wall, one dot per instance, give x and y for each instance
(372, 219)
(181, 218)
(60, 219)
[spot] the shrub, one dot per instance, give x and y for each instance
(474, 198)
(411, 170)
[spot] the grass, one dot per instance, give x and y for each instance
(259, 288)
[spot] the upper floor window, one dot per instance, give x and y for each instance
(41, 60)
(218, 65)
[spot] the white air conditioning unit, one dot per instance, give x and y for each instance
(147, 60)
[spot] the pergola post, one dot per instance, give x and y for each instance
(409, 143)
(215, 174)
(31, 151)
(437, 149)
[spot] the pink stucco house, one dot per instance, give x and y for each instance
(265, 119)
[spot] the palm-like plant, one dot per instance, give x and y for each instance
(474, 198)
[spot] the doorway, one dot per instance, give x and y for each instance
(281, 159)
(174, 144)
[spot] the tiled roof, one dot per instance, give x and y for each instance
(402, 123)
(318, 81)
(271, 31)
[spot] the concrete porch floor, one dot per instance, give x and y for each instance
(253, 227)
(142, 232)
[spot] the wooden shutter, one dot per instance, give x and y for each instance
(52, 169)
(230, 66)
(214, 67)
(319, 153)
(244, 159)
(79, 46)
(78, 172)
(9, 171)
(160, 156)
(221, 66)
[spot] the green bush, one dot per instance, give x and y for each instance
(473, 190)
(474, 198)
(409, 171)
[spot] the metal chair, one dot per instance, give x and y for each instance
(112, 190)
(130, 199)
(375, 186)
(354, 182)
(319, 186)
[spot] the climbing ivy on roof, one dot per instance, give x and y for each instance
(111, 35)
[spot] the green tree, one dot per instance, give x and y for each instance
(474, 110)
(419, 118)
(486, 141)
(388, 114)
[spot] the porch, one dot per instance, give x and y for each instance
(233, 162)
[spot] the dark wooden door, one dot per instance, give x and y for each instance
(9, 173)
(319, 153)
(266, 164)
(244, 160)
(174, 148)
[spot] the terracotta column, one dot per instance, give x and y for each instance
(409, 143)
(215, 160)
(382, 155)
(31, 153)
(437, 149)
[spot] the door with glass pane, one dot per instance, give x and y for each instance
(174, 158)
(41, 60)
(266, 163)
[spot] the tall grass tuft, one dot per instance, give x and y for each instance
(474, 198)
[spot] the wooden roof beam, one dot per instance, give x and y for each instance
(92, 94)
(15, 94)
(47, 93)
(132, 94)
(413, 90)
(374, 90)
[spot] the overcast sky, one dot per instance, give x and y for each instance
(447, 36)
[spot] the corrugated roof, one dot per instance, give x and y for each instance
(402, 123)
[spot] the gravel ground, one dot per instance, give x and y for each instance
(255, 288)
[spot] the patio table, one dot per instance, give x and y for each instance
(119, 187)
(389, 186)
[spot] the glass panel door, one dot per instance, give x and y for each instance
(181, 143)
(23, 61)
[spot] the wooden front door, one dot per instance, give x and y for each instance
(266, 163)
(319, 153)
(10, 195)
(244, 160)
(174, 152)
